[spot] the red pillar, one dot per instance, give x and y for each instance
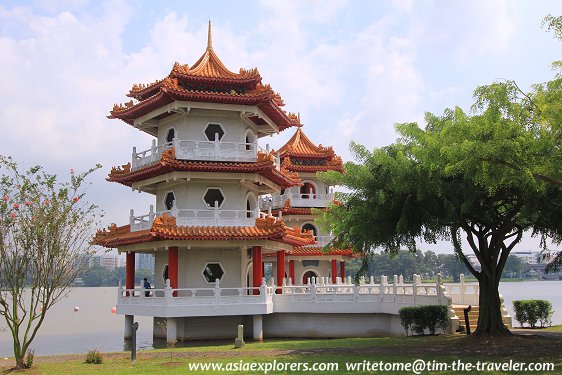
(334, 270)
(280, 269)
(257, 266)
(342, 269)
(130, 271)
(173, 267)
(292, 271)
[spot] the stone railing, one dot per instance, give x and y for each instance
(463, 293)
(317, 296)
(297, 200)
(198, 150)
(214, 301)
(197, 217)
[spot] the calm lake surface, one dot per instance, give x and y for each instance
(95, 327)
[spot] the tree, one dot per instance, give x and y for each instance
(45, 227)
(97, 276)
(477, 175)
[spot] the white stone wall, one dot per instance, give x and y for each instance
(192, 262)
(190, 195)
(287, 325)
(321, 187)
(323, 269)
(331, 325)
(192, 126)
(204, 328)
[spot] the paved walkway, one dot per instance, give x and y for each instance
(536, 332)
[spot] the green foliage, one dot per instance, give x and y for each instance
(418, 319)
(97, 275)
(405, 263)
(407, 316)
(94, 357)
(490, 176)
(533, 311)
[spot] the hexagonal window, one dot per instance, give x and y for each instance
(212, 196)
(213, 272)
(169, 200)
(213, 131)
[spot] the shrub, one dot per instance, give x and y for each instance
(545, 312)
(533, 311)
(419, 318)
(94, 356)
(29, 358)
(407, 317)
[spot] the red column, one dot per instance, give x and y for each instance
(257, 266)
(342, 269)
(173, 268)
(334, 270)
(280, 269)
(292, 271)
(130, 271)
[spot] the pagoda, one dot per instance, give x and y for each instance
(295, 205)
(206, 173)
(223, 208)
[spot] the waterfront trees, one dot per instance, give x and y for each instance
(45, 228)
(484, 176)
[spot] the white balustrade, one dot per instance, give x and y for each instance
(463, 293)
(198, 150)
(197, 217)
(297, 200)
(317, 296)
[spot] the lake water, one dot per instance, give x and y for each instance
(95, 327)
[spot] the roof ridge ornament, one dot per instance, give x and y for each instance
(209, 37)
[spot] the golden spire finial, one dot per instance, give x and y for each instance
(209, 37)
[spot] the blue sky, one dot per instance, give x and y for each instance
(351, 68)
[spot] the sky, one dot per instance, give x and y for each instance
(351, 69)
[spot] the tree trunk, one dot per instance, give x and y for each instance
(490, 317)
(20, 361)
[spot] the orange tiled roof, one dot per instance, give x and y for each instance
(164, 228)
(301, 146)
(264, 166)
(301, 165)
(292, 211)
(299, 154)
(318, 251)
(208, 80)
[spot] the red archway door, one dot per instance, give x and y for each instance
(308, 275)
(307, 190)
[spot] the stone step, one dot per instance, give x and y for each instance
(472, 316)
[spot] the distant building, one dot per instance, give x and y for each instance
(527, 256)
(109, 261)
(145, 262)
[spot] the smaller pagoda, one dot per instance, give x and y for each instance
(294, 204)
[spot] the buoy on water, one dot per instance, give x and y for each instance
(113, 310)
(76, 308)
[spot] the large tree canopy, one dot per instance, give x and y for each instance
(488, 176)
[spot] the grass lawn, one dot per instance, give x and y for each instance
(447, 349)
(557, 328)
